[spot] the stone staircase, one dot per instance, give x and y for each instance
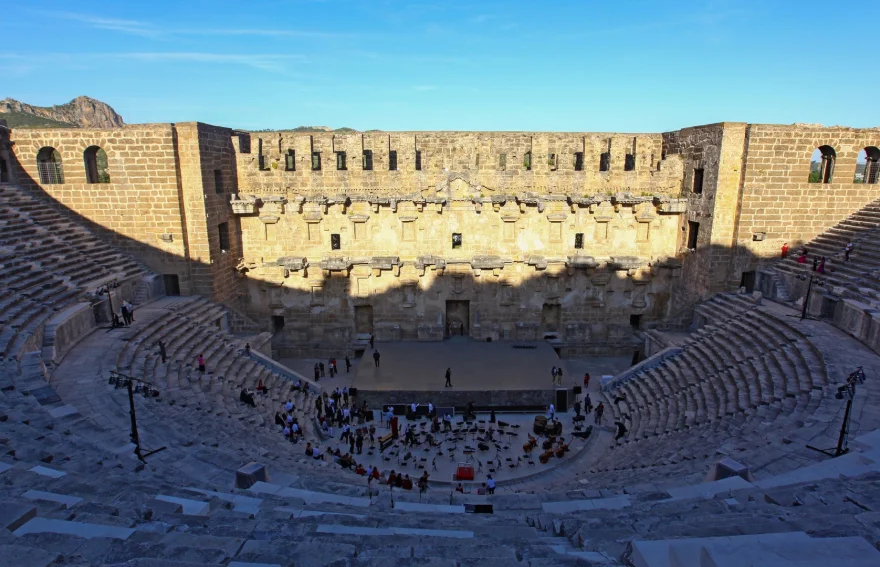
(47, 263)
(861, 275)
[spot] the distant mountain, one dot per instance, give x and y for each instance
(23, 120)
(81, 112)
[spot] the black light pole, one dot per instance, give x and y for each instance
(848, 391)
(807, 299)
(117, 379)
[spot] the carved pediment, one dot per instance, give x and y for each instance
(539, 262)
(582, 262)
(335, 264)
(435, 261)
(293, 263)
(384, 262)
(459, 186)
(603, 212)
(626, 262)
(645, 212)
(246, 205)
(674, 206)
(487, 262)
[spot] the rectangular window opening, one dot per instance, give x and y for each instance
(335, 242)
(629, 163)
(223, 230)
(579, 240)
(418, 160)
(698, 180)
(316, 161)
(218, 181)
(579, 161)
(527, 161)
(340, 161)
(290, 160)
(605, 161)
(502, 162)
(368, 160)
(551, 161)
(277, 323)
(693, 233)
(456, 240)
(392, 160)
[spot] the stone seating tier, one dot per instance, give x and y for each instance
(742, 371)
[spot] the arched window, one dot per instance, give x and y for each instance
(96, 165)
(49, 166)
(822, 165)
(868, 166)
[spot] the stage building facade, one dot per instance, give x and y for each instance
(324, 238)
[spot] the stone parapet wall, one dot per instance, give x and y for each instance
(497, 162)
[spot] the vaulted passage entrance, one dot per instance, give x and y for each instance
(551, 318)
(363, 319)
(458, 317)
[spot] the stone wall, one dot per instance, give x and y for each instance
(779, 204)
(139, 209)
(581, 237)
(207, 178)
(495, 162)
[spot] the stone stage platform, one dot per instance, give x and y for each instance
(488, 374)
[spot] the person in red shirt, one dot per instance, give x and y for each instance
(785, 250)
(586, 380)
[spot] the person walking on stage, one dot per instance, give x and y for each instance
(600, 410)
(448, 378)
(376, 358)
(347, 364)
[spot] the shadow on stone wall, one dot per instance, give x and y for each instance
(586, 307)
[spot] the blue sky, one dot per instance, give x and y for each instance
(625, 66)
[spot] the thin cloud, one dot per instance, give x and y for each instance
(262, 33)
(265, 62)
(132, 27)
(153, 31)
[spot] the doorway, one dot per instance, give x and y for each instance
(363, 319)
(551, 318)
(458, 317)
(172, 284)
(748, 281)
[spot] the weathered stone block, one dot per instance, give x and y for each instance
(246, 476)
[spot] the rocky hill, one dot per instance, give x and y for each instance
(81, 112)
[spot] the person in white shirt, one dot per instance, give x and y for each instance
(552, 411)
(413, 407)
(289, 406)
(490, 484)
(430, 408)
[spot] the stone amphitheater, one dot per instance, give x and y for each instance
(663, 251)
